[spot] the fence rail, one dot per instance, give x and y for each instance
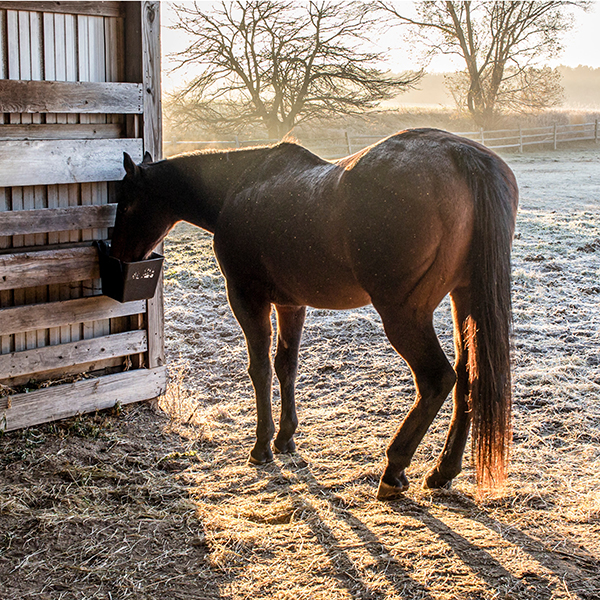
(499, 139)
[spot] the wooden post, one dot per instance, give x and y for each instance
(153, 143)
(482, 138)
(520, 139)
(555, 137)
(348, 142)
(151, 78)
(596, 131)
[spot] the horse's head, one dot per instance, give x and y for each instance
(143, 212)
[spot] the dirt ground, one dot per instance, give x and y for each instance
(159, 501)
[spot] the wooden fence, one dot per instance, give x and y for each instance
(79, 84)
(501, 139)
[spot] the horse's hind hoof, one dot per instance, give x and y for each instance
(287, 448)
(385, 491)
(434, 480)
(262, 459)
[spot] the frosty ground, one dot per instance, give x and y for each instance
(157, 503)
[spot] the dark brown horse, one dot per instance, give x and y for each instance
(401, 224)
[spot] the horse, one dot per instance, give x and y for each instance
(400, 225)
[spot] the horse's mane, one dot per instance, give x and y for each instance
(286, 146)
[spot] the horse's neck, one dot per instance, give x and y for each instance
(211, 178)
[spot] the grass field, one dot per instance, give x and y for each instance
(159, 501)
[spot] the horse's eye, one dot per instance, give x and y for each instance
(122, 209)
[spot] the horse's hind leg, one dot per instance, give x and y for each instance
(290, 321)
(449, 463)
(254, 316)
(415, 340)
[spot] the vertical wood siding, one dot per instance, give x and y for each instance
(51, 46)
(57, 47)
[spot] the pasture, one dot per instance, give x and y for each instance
(160, 502)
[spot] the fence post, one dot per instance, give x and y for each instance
(348, 142)
(555, 137)
(520, 139)
(482, 139)
(596, 131)
(237, 141)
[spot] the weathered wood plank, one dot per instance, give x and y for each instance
(151, 81)
(155, 324)
(51, 404)
(84, 46)
(70, 97)
(38, 360)
(53, 290)
(152, 133)
(60, 49)
(61, 374)
(113, 48)
(101, 9)
(3, 49)
(19, 319)
(29, 269)
(24, 45)
(56, 131)
(36, 43)
(70, 48)
(35, 197)
(70, 194)
(12, 37)
(17, 241)
(64, 161)
(57, 219)
(6, 297)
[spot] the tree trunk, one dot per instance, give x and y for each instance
(278, 129)
(273, 128)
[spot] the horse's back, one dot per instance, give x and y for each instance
(392, 222)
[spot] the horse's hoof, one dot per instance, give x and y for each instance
(287, 448)
(386, 491)
(262, 458)
(435, 481)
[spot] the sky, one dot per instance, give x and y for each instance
(581, 46)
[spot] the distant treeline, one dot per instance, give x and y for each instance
(581, 84)
(428, 106)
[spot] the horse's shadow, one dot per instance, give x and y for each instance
(539, 583)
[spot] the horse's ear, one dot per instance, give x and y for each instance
(147, 158)
(130, 167)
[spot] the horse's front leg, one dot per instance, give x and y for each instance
(290, 320)
(254, 316)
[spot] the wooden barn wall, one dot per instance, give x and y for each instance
(71, 101)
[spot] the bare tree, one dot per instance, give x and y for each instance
(280, 63)
(502, 45)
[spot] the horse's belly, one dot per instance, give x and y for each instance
(330, 289)
(336, 300)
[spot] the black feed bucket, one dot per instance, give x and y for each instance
(125, 281)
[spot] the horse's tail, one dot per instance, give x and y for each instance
(487, 331)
